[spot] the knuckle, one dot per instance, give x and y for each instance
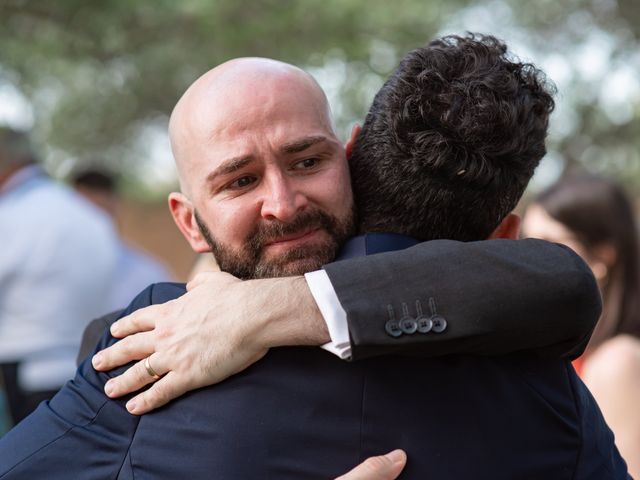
(160, 393)
(124, 347)
(136, 375)
(165, 308)
(162, 332)
(131, 322)
(118, 384)
(106, 355)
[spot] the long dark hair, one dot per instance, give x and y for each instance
(599, 213)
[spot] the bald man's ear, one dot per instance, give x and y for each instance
(509, 228)
(182, 212)
(355, 131)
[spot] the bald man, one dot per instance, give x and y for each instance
(298, 412)
(307, 204)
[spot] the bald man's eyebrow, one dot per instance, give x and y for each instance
(229, 166)
(302, 144)
(234, 164)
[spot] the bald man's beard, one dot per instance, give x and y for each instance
(249, 262)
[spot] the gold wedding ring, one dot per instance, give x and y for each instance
(152, 373)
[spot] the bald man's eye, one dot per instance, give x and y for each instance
(306, 164)
(242, 182)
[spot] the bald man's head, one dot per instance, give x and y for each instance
(264, 179)
(226, 96)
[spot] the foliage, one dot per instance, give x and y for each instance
(100, 74)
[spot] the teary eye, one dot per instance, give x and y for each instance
(307, 163)
(242, 182)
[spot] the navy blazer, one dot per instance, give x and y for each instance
(302, 413)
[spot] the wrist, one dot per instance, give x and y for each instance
(288, 314)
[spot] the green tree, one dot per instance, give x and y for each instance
(103, 76)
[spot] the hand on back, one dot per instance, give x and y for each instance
(196, 340)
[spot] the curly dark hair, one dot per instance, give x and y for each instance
(451, 141)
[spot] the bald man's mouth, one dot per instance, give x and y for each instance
(287, 242)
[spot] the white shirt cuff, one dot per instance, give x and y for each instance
(333, 313)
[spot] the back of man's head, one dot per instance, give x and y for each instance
(15, 149)
(451, 141)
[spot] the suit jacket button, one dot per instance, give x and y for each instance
(408, 325)
(393, 328)
(424, 324)
(439, 324)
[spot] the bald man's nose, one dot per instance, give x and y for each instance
(282, 201)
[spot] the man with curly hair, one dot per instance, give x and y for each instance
(450, 141)
(449, 146)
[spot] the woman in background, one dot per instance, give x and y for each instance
(593, 216)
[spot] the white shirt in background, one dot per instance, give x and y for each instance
(58, 257)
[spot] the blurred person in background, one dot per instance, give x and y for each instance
(593, 216)
(57, 263)
(136, 269)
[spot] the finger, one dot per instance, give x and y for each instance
(133, 347)
(384, 467)
(162, 392)
(134, 378)
(141, 320)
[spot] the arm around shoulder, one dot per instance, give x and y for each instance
(497, 297)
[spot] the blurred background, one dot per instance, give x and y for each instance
(96, 81)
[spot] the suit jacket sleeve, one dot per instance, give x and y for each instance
(497, 296)
(79, 433)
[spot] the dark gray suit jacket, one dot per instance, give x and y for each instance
(497, 296)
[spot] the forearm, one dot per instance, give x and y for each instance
(286, 313)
